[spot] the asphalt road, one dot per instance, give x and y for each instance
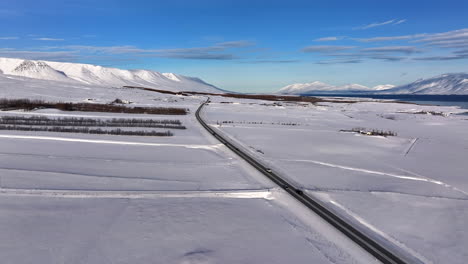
(379, 251)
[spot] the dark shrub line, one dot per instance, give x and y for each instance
(370, 132)
(28, 105)
(115, 122)
(258, 123)
(430, 113)
(266, 97)
(85, 130)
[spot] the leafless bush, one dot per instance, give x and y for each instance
(259, 123)
(430, 113)
(28, 105)
(120, 101)
(86, 130)
(88, 122)
(371, 132)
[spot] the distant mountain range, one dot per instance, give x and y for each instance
(75, 73)
(91, 75)
(455, 83)
(320, 87)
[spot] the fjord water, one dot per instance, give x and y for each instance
(442, 100)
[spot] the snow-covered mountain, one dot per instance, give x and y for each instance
(75, 73)
(454, 83)
(319, 87)
(299, 88)
(383, 87)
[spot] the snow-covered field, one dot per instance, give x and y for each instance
(410, 190)
(81, 198)
(186, 198)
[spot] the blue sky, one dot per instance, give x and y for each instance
(251, 46)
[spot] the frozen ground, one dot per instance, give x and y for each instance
(410, 190)
(79, 198)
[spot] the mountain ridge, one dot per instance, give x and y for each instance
(102, 76)
(445, 84)
(448, 84)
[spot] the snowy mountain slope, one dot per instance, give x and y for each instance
(319, 87)
(102, 76)
(299, 88)
(454, 83)
(383, 87)
(15, 87)
(38, 70)
(352, 87)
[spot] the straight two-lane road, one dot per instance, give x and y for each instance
(379, 251)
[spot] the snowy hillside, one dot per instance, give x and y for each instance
(455, 83)
(96, 75)
(384, 87)
(319, 87)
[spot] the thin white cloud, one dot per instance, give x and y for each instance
(339, 61)
(49, 39)
(400, 22)
(39, 55)
(326, 49)
(104, 49)
(393, 49)
(379, 24)
(236, 44)
(218, 51)
(8, 38)
(451, 39)
(380, 39)
(443, 58)
(328, 39)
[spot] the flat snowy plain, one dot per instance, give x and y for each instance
(80, 198)
(410, 190)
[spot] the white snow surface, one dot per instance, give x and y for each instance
(410, 191)
(74, 198)
(75, 73)
(81, 198)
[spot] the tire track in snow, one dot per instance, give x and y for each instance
(374, 229)
(80, 174)
(239, 194)
(333, 190)
(152, 162)
(411, 146)
(405, 177)
(189, 146)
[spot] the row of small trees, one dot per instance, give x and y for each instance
(73, 121)
(258, 123)
(371, 132)
(28, 105)
(86, 130)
